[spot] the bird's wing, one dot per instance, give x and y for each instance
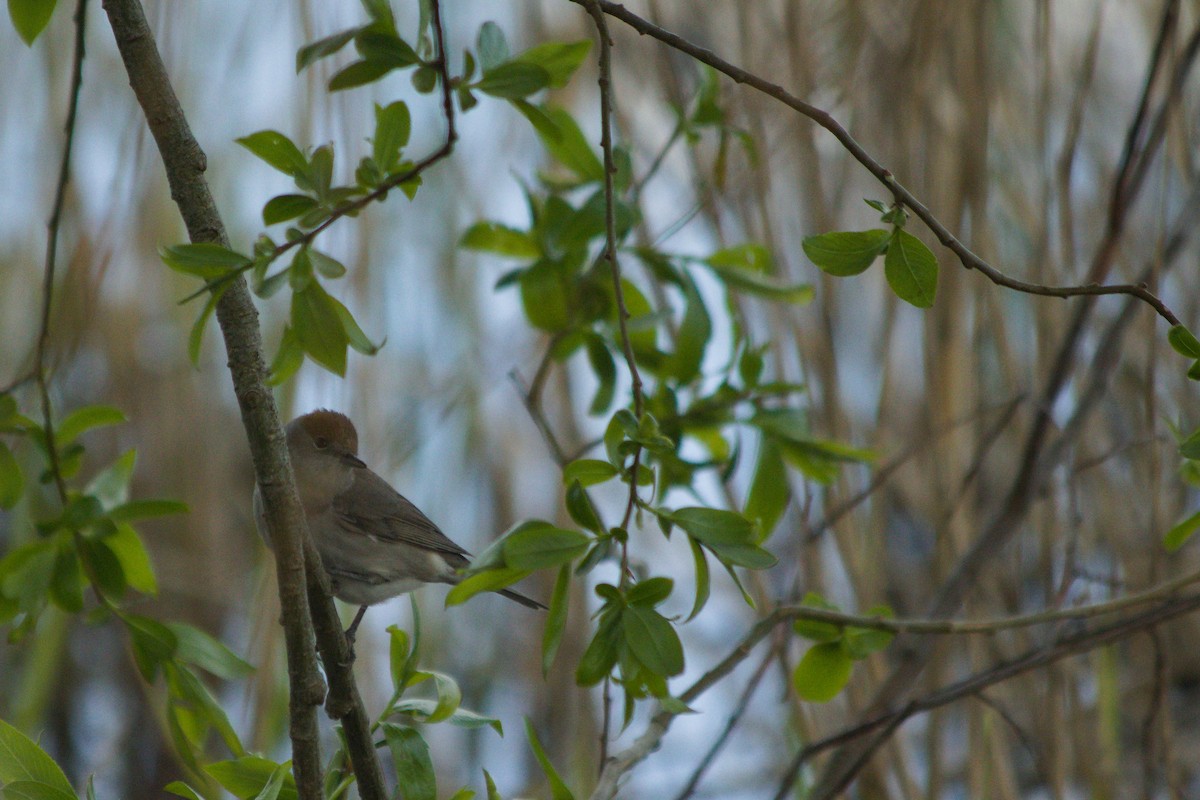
(391, 517)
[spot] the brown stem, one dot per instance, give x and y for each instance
(185, 163)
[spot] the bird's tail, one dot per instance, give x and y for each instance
(522, 599)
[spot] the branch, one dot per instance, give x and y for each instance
(185, 163)
(966, 257)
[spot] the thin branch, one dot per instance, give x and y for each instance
(966, 257)
(52, 228)
(185, 163)
(1036, 658)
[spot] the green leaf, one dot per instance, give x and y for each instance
(66, 584)
(196, 335)
(85, 419)
(399, 659)
(22, 760)
(845, 253)
(602, 651)
(650, 592)
(385, 48)
(588, 472)
(131, 554)
(247, 776)
(30, 17)
(287, 206)
(492, 792)
(277, 150)
(324, 47)
(653, 641)
(862, 642)
(748, 257)
(570, 148)
(492, 237)
(513, 80)
(144, 509)
(543, 296)
(1181, 532)
(1183, 341)
(823, 672)
(12, 482)
(769, 489)
(421, 709)
(359, 73)
(546, 127)
(601, 362)
(204, 259)
(410, 755)
(543, 546)
(449, 696)
(1193, 372)
(326, 266)
(694, 333)
(558, 59)
(111, 485)
(318, 327)
(703, 579)
(817, 630)
(911, 269)
(558, 789)
(1190, 448)
(486, 581)
(194, 646)
(580, 507)
(181, 789)
(393, 124)
(491, 46)
(354, 334)
(714, 526)
(556, 619)
(752, 283)
(152, 642)
(287, 360)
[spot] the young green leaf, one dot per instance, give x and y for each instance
(22, 760)
(650, 592)
(12, 482)
(769, 488)
(492, 237)
(204, 259)
(556, 619)
(393, 124)
(249, 775)
(513, 80)
(324, 47)
(287, 359)
(653, 641)
(601, 361)
(911, 269)
(152, 642)
(1190, 447)
(558, 789)
(283, 207)
(845, 253)
(277, 150)
(486, 581)
(318, 327)
(359, 73)
(131, 554)
(588, 472)
(694, 333)
(558, 59)
(1183, 341)
(703, 579)
(30, 17)
(85, 419)
(543, 546)
(491, 46)
(570, 148)
(194, 646)
(410, 755)
(1181, 532)
(823, 672)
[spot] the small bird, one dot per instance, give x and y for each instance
(373, 542)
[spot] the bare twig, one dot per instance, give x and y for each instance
(902, 195)
(185, 163)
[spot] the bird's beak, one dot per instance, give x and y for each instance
(351, 460)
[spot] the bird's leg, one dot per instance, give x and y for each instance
(354, 625)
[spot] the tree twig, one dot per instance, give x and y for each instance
(185, 163)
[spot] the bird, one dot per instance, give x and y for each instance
(374, 543)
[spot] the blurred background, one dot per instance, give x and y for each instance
(1008, 118)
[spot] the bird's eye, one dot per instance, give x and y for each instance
(321, 442)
